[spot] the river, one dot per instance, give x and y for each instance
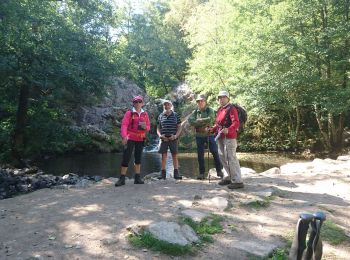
(108, 164)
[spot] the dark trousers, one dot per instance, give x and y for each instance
(213, 148)
(128, 152)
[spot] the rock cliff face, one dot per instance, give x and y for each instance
(102, 121)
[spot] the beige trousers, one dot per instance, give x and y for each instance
(227, 153)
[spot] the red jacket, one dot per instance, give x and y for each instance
(221, 122)
(130, 122)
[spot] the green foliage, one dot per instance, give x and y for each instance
(208, 226)
(259, 204)
(280, 60)
(332, 233)
(157, 51)
(147, 240)
(277, 254)
(61, 54)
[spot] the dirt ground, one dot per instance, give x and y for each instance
(91, 223)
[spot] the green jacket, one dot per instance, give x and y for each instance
(202, 119)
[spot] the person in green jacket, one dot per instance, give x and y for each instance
(201, 118)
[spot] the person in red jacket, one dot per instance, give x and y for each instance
(135, 125)
(226, 126)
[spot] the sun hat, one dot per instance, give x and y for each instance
(137, 98)
(201, 97)
(166, 101)
(224, 93)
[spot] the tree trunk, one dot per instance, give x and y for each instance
(337, 132)
(21, 121)
(297, 127)
(323, 130)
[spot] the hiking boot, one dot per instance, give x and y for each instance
(219, 174)
(121, 181)
(224, 182)
(138, 179)
(200, 177)
(177, 175)
(235, 185)
(162, 175)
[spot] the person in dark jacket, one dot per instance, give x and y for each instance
(201, 118)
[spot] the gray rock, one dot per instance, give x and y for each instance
(256, 247)
(264, 193)
(274, 170)
(247, 172)
(172, 232)
(343, 158)
(195, 215)
(217, 203)
(83, 183)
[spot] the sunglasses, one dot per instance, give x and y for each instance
(138, 101)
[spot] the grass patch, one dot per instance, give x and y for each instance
(258, 204)
(277, 254)
(203, 229)
(324, 208)
(208, 226)
(280, 253)
(332, 233)
(147, 240)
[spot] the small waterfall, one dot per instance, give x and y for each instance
(153, 146)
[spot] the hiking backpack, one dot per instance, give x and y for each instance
(242, 116)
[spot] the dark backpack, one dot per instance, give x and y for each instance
(242, 116)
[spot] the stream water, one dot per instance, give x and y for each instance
(108, 164)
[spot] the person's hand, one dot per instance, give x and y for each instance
(163, 138)
(172, 137)
(142, 125)
(208, 129)
(224, 131)
(124, 141)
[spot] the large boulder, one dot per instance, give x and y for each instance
(112, 107)
(101, 122)
(173, 233)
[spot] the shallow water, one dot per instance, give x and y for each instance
(108, 164)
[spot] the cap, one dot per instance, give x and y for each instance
(224, 93)
(137, 98)
(166, 101)
(201, 97)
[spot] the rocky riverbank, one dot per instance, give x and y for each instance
(19, 181)
(95, 222)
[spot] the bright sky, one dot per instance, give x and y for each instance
(137, 5)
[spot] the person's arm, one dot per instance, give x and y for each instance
(124, 126)
(162, 137)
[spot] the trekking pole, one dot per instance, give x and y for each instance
(208, 161)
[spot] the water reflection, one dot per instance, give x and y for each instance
(108, 164)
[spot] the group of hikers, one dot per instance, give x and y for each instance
(218, 130)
